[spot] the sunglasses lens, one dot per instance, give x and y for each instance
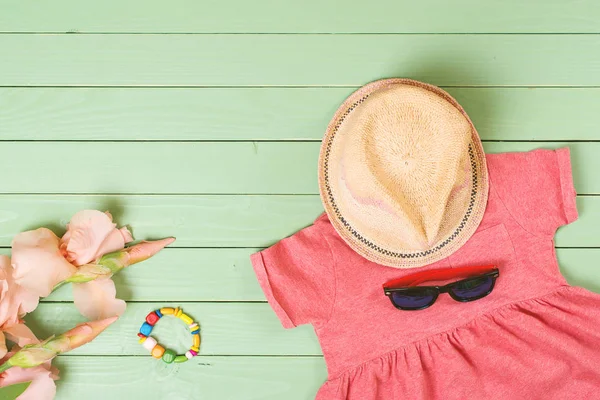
(472, 289)
(414, 299)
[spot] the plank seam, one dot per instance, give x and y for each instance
(348, 86)
(171, 301)
(151, 194)
(201, 355)
(289, 33)
(46, 141)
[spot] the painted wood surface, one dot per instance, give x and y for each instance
(217, 220)
(309, 16)
(231, 325)
(205, 378)
(205, 167)
(184, 118)
(226, 275)
(298, 60)
(259, 113)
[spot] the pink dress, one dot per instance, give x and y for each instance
(533, 337)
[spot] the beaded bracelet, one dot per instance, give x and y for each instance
(158, 351)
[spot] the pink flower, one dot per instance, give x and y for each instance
(96, 298)
(90, 235)
(15, 302)
(32, 362)
(41, 261)
(37, 354)
(42, 379)
(37, 261)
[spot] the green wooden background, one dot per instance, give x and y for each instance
(202, 120)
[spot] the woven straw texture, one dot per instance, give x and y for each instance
(402, 173)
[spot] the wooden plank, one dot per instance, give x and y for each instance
(580, 267)
(223, 378)
(227, 275)
(316, 60)
(227, 329)
(196, 221)
(581, 233)
(270, 113)
(297, 17)
(202, 167)
(215, 221)
(185, 275)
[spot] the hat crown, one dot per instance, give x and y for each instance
(403, 176)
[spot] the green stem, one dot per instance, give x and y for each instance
(4, 367)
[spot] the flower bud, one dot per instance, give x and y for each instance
(86, 332)
(36, 354)
(31, 356)
(133, 254)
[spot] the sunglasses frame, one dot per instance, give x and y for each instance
(494, 274)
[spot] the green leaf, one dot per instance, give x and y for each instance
(13, 391)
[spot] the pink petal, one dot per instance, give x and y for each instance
(21, 335)
(28, 301)
(42, 385)
(127, 237)
(15, 301)
(85, 233)
(9, 307)
(5, 267)
(96, 299)
(113, 242)
(37, 261)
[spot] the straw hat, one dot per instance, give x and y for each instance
(402, 173)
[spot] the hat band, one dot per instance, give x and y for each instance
(366, 241)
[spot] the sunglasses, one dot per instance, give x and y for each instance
(405, 295)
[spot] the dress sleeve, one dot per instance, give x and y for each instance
(536, 187)
(298, 278)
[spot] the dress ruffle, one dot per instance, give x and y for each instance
(559, 330)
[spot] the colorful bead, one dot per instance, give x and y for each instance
(196, 340)
(196, 349)
(180, 359)
(166, 311)
(196, 332)
(186, 318)
(178, 311)
(140, 334)
(149, 343)
(158, 351)
(146, 329)
(169, 356)
(189, 355)
(152, 318)
(142, 339)
(158, 313)
(193, 326)
(193, 352)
